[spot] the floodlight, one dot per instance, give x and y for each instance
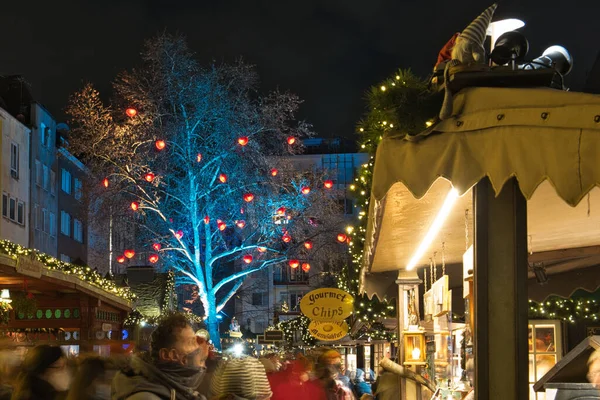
(510, 47)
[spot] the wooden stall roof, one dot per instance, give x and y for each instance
(53, 281)
(548, 139)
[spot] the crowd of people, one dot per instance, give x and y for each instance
(180, 365)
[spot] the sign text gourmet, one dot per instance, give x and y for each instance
(327, 304)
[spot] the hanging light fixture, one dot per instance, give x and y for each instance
(5, 296)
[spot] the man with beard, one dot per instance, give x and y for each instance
(173, 369)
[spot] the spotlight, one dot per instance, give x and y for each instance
(511, 47)
(498, 28)
(556, 57)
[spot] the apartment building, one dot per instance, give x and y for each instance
(72, 208)
(44, 184)
(15, 179)
(275, 293)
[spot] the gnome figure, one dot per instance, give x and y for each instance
(467, 49)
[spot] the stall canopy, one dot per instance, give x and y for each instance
(548, 139)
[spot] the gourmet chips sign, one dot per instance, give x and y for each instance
(328, 331)
(327, 305)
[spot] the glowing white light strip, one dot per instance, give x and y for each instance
(434, 228)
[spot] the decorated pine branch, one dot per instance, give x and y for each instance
(191, 158)
(400, 105)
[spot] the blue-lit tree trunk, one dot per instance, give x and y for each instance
(195, 165)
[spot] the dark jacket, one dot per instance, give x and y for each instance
(34, 388)
(145, 381)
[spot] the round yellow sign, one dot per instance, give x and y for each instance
(327, 304)
(328, 331)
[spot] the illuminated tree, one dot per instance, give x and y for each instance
(192, 155)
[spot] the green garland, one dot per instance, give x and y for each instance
(84, 273)
(400, 105)
(571, 310)
(297, 324)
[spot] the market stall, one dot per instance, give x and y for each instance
(512, 175)
(49, 302)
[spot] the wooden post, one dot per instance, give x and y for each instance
(406, 281)
(500, 292)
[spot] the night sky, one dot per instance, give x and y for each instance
(328, 52)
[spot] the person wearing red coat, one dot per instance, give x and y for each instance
(294, 383)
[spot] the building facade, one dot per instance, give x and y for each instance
(274, 294)
(14, 142)
(44, 184)
(72, 208)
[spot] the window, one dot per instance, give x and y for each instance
(65, 223)
(66, 181)
(65, 258)
(21, 213)
(5, 205)
(259, 326)
(46, 178)
(52, 182)
(38, 173)
(12, 208)
(14, 160)
(77, 230)
(260, 299)
(77, 189)
(45, 221)
(43, 134)
(347, 206)
(52, 224)
(36, 211)
(545, 350)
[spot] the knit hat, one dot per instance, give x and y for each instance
(40, 358)
(329, 356)
(243, 377)
(476, 31)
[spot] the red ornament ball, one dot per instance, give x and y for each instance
(243, 140)
(328, 184)
(305, 267)
(248, 258)
(131, 112)
(206, 219)
(262, 249)
(294, 263)
(281, 211)
(129, 253)
(240, 224)
(134, 205)
(341, 237)
(308, 245)
(198, 157)
(153, 258)
(121, 259)
(105, 182)
(274, 172)
(221, 225)
(149, 177)
(291, 140)
(160, 144)
(156, 246)
(179, 234)
(305, 190)
(248, 197)
(286, 238)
